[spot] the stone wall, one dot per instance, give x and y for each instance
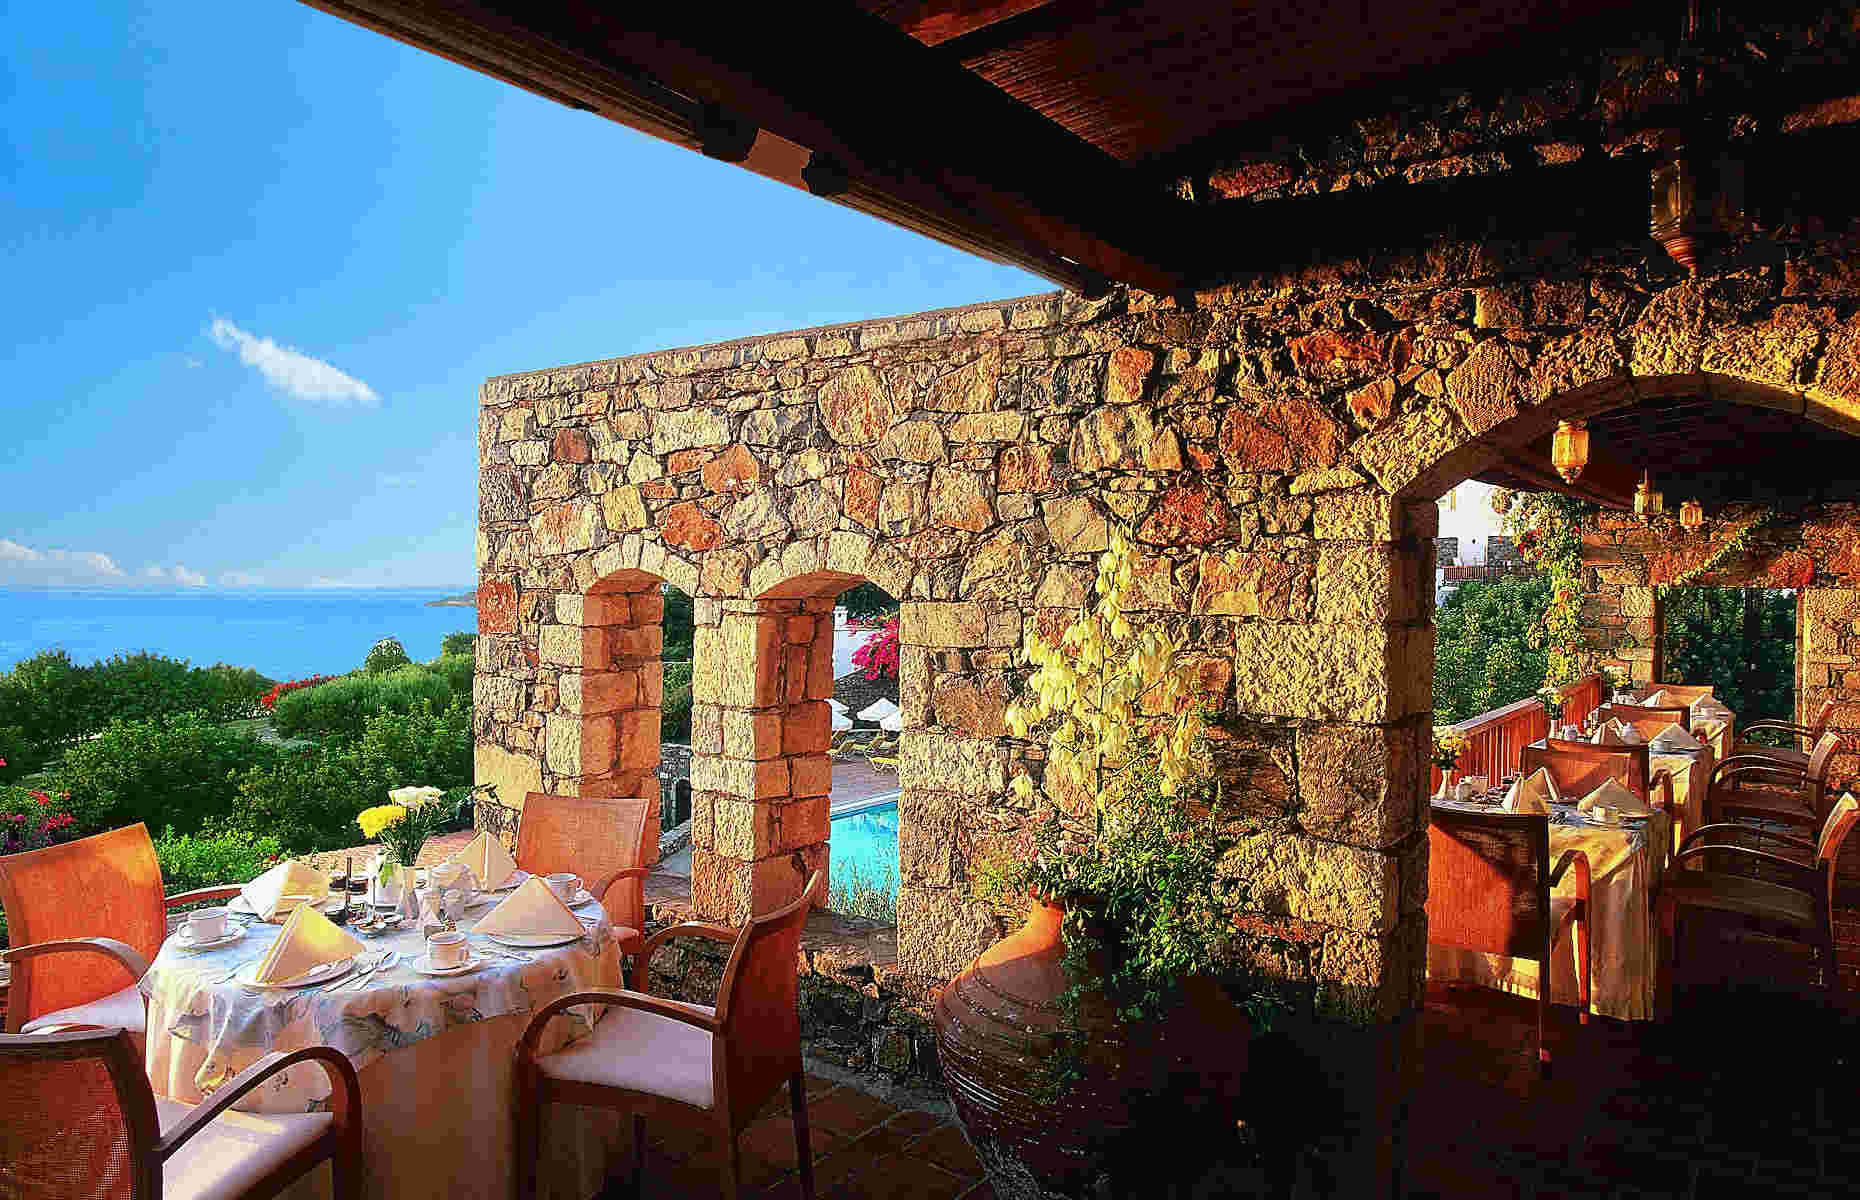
(1815, 550)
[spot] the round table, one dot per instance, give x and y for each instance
(434, 1054)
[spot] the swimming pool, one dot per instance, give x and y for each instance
(864, 842)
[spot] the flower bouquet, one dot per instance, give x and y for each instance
(1449, 744)
(402, 827)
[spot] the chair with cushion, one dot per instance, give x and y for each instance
(82, 915)
(1795, 902)
(667, 1059)
(601, 839)
(1489, 889)
(1749, 787)
(1581, 767)
(82, 1123)
(1803, 738)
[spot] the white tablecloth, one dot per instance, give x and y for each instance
(433, 1055)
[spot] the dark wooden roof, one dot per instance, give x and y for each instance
(1064, 135)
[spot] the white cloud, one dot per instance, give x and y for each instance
(325, 581)
(240, 579)
(56, 568)
(103, 564)
(293, 371)
(176, 574)
(14, 552)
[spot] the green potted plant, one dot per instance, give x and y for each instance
(1109, 992)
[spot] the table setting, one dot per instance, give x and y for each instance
(427, 1006)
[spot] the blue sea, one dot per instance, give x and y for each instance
(284, 634)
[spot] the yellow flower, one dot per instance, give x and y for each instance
(374, 820)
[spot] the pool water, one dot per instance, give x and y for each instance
(865, 846)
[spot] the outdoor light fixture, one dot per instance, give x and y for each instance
(1647, 502)
(1569, 449)
(1691, 516)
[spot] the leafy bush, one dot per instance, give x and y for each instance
(32, 818)
(675, 705)
(48, 702)
(175, 770)
(341, 707)
(202, 860)
(1742, 640)
(857, 894)
(456, 670)
(385, 655)
(458, 643)
(1488, 650)
(309, 798)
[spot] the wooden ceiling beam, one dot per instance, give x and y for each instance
(934, 22)
(925, 142)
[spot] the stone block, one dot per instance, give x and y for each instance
(514, 775)
(1291, 875)
(1368, 674)
(943, 625)
(1075, 525)
(810, 775)
(1362, 784)
(800, 824)
(595, 692)
(752, 734)
(939, 762)
(1355, 515)
(807, 729)
(737, 662)
(565, 528)
(941, 930)
(637, 733)
(1365, 584)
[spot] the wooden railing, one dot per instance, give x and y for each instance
(1495, 740)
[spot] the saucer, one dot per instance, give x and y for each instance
(584, 896)
(534, 941)
(183, 940)
(315, 975)
(425, 967)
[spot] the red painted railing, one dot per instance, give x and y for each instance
(1495, 740)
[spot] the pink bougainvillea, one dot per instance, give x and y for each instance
(878, 654)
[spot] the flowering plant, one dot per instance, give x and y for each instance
(878, 654)
(1551, 697)
(1449, 744)
(32, 820)
(269, 700)
(416, 814)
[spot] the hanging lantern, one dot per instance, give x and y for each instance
(1501, 500)
(1647, 502)
(1569, 449)
(1691, 516)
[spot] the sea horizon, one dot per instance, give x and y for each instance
(283, 633)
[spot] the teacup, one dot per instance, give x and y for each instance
(565, 884)
(206, 924)
(446, 949)
(1602, 814)
(450, 875)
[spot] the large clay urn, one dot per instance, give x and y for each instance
(996, 1025)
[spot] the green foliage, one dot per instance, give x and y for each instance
(874, 897)
(1549, 531)
(456, 670)
(1483, 652)
(342, 706)
(678, 626)
(48, 702)
(309, 798)
(675, 708)
(458, 643)
(868, 602)
(1706, 643)
(191, 861)
(176, 770)
(385, 655)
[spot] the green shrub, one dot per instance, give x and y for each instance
(341, 707)
(46, 703)
(458, 643)
(456, 670)
(385, 655)
(857, 894)
(191, 861)
(175, 770)
(309, 798)
(675, 707)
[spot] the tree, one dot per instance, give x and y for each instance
(1740, 640)
(1483, 652)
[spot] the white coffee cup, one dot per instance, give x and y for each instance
(565, 884)
(203, 925)
(446, 949)
(1603, 814)
(451, 875)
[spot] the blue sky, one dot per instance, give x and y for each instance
(260, 260)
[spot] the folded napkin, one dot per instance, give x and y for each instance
(1609, 735)
(1675, 738)
(1613, 795)
(487, 860)
(1533, 794)
(1705, 703)
(532, 908)
(308, 940)
(285, 887)
(1657, 700)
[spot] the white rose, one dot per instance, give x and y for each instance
(415, 798)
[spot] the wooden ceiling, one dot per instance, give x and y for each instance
(1699, 448)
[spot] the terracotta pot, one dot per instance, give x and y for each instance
(996, 1025)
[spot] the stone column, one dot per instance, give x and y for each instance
(760, 777)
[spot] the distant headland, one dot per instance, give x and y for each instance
(468, 600)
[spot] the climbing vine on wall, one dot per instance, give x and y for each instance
(1723, 552)
(1548, 530)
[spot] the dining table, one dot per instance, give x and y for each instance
(434, 1053)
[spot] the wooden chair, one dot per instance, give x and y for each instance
(601, 839)
(1800, 908)
(1648, 722)
(1489, 889)
(83, 1123)
(1784, 795)
(1805, 737)
(1581, 767)
(82, 915)
(666, 1059)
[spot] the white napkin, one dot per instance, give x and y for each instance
(308, 940)
(488, 861)
(1609, 735)
(1657, 700)
(532, 908)
(1614, 795)
(285, 887)
(1675, 738)
(1534, 794)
